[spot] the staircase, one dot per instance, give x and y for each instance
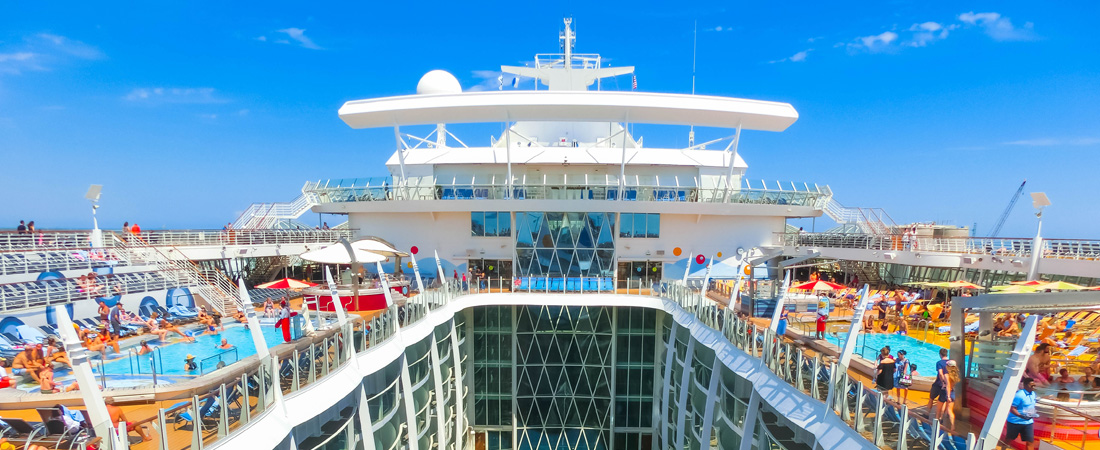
(868, 220)
(276, 215)
(868, 272)
(212, 285)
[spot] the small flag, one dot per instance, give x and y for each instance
(634, 82)
(515, 82)
(500, 82)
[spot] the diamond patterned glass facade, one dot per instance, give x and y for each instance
(564, 366)
(565, 244)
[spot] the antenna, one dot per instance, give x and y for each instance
(694, 52)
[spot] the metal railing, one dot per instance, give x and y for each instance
(267, 215)
(37, 261)
(218, 290)
(1003, 247)
(882, 422)
(571, 188)
(161, 238)
(33, 294)
(39, 240)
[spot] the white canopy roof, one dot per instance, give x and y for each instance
(374, 246)
(338, 254)
(571, 106)
(556, 155)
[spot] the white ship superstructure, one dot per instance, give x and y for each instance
(567, 190)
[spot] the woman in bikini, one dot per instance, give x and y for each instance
(154, 328)
(172, 328)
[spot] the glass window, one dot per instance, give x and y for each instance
(639, 225)
(491, 223)
(504, 223)
(653, 225)
(627, 225)
(477, 224)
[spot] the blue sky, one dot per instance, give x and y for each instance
(188, 112)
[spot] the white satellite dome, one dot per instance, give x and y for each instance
(438, 82)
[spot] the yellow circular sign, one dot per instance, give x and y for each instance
(719, 254)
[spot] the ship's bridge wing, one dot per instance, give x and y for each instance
(569, 106)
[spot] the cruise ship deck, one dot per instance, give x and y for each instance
(564, 287)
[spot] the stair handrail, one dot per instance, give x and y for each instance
(216, 294)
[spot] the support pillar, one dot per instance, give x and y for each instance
(670, 352)
(749, 427)
(685, 387)
(437, 383)
(410, 405)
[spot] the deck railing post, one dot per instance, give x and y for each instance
(297, 384)
(162, 430)
(196, 424)
(246, 406)
(223, 409)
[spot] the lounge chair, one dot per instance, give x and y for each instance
(184, 416)
(56, 431)
(18, 429)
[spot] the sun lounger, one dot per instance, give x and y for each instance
(30, 334)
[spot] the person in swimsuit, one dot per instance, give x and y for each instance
(155, 328)
(168, 326)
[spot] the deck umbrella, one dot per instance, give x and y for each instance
(1059, 286)
(818, 286)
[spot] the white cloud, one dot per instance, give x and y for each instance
(159, 95)
(261, 38)
(43, 51)
(998, 27)
(18, 56)
(208, 116)
(1052, 142)
(719, 28)
(299, 36)
(928, 32)
(797, 57)
(69, 46)
(874, 43)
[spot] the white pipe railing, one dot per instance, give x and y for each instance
(1006, 247)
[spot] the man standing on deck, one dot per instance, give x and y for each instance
(938, 386)
(21, 229)
(114, 316)
(1021, 416)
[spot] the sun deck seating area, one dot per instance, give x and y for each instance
(36, 261)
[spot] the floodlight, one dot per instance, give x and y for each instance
(1039, 200)
(93, 192)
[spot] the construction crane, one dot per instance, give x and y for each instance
(1008, 209)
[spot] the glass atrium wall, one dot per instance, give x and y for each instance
(565, 244)
(564, 377)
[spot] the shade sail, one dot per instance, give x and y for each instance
(376, 246)
(338, 254)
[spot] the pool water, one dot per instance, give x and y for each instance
(169, 358)
(923, 354)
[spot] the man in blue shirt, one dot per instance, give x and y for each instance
(1021, 416)
(939, 387)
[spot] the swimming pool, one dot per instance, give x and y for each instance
(923, 354)
(169, 358)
